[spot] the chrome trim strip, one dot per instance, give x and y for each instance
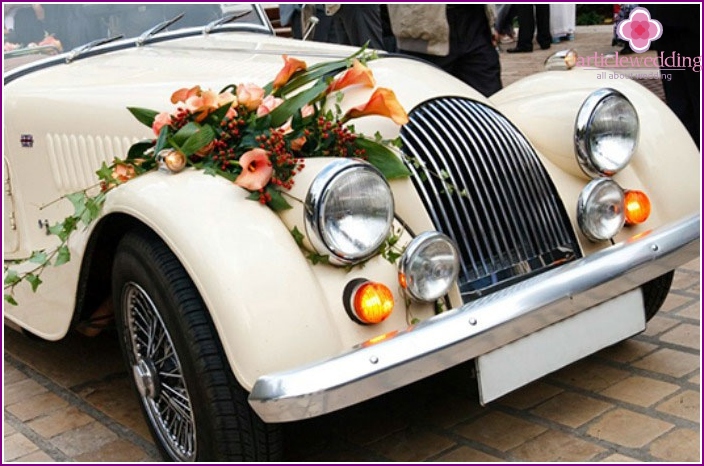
(369, 370)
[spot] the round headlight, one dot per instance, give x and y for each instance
(349, 211)
(600, 210)
(606, 133)
(429, 266)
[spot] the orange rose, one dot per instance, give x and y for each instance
(256, 170)
(250, 95)
(268, 104)
(291, 66)
(382, 102)
(358, 74)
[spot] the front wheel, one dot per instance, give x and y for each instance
(195, 409)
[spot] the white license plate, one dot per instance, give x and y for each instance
(536, 355)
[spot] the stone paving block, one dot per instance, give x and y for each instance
(627, 428)
(618, 458)
(627, 351)
(11, 375)
(686, 405)
(116, 398)
(84, 439)
(642, 391)
(500, 431)
(684, 281)
(673, 302)
(36, 457)
(59, 422)
(37, 405)
(16, 446)
(659, 324)
(467, 455)
(530, 395)
(693, 311)
(113, 452)
(681, 445)
(554, 446)
(21, 390)
(669, 362)
(685, 334)
(571, 409)
(411, 446)
(589, 375)
(695, 379)
(7, 429)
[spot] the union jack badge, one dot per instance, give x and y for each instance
(27, 140)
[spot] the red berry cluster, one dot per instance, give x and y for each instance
(285, 164)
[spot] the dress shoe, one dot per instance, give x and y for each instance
(544, 46)
(519, 50)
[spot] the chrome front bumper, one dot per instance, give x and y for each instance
(475, 328)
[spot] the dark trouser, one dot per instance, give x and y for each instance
(472, 57)
(683, 96)
(530, 17)
(359, 24)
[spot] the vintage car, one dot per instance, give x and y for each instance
(522, 231)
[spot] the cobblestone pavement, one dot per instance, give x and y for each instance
(636, 401)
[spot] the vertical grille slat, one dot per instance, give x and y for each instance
(484, 186)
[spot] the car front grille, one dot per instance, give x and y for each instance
(484, 186)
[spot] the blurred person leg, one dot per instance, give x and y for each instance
(359, 24)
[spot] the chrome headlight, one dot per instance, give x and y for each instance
(606, 133)
(429, 266)
(600, 209)
(349, 211)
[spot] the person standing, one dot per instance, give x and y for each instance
(358, 24)
(457, 38)
(530, 19)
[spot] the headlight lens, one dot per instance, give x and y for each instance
(349, 211)
(600, 209)
(429, 266)
(606, 133)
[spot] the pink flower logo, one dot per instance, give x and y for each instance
(640, 30)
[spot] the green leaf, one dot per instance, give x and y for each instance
(9, 299)
(188, 130)
(144, 115)
(198, 140)
(383, 158)
(286, 110)
(161, 140)
(105, 173)
(38, 257)
(63, 255)
(11, 278)
(297, 236)
(278, 201)
(79, 202)
(34, 281)
(137, 150)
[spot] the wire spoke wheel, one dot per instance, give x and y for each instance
(158, 375)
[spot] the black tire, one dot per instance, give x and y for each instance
(199, 412)
(654, 293)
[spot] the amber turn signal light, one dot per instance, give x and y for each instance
(368, 302)
(637, 207)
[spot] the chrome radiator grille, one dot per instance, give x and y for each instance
(484, 186)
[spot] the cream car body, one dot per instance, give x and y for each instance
(275, 312)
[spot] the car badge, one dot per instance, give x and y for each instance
(27, 140)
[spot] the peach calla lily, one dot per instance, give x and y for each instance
(358, 74)
(256, 170)
(382, 102)
(291, 66)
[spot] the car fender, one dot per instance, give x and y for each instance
(544, 107)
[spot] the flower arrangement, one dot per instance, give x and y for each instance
(256, 137)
